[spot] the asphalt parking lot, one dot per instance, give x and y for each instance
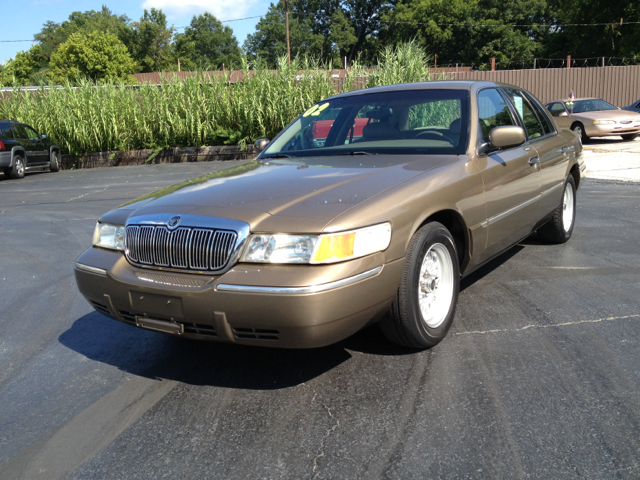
(538, 378)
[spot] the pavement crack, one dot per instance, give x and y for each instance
(89, 193)
(564, 324)
(322, 443)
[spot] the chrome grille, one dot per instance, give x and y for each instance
(185, 248)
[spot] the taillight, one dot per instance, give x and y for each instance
(1, 145)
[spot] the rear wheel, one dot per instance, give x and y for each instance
(560, 227)
(18, 167)
(631, 136)
(578, 129)
(54, 164)
(425, 303)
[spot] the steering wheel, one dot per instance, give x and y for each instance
(435, 135)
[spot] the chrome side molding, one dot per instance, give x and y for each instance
(298, 290)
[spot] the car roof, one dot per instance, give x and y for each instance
(436, 85)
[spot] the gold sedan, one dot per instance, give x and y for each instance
(370, 206)
(593, 117)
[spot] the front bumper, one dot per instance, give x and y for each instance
(612, 130)
(291, 306)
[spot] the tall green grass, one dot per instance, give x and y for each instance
(198, 111)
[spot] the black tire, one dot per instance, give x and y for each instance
(629, 137)
(17, 171)
(578, 129)
(556, 230)
(406, 324)
(54, 163)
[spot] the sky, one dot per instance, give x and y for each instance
(25, 18)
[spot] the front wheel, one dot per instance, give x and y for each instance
(578, 129)
(560, 227)
(425, 303)
(631, 136)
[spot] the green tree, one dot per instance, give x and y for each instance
(149, 42)
(342, 36)
(469, 31)
(98, 56)
(269, 43)
(206, 43)
(619, 40)
(362, 17)
(53, 34)
(21, 70)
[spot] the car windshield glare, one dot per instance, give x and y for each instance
(591, 105)
(401, 122)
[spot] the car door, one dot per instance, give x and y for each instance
(39, 152)
(511, 181)
(21, 135)
(559, 114)
(552, 149)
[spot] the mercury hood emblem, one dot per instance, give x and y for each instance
(173, 222)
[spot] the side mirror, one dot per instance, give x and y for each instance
(563, 114)
(507, 136)
(261, 144)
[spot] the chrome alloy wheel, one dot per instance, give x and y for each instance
(567, 207)
(435, 288)
(19, 166)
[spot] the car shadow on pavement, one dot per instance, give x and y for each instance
(492, 265)
(154, 355)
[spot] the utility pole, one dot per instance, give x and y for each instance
(286, 16)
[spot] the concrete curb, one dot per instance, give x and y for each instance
(168, 155)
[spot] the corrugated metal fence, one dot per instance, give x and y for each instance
(617, 85)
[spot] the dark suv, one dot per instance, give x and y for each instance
(23, 150)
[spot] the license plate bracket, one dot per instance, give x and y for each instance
(160, 325)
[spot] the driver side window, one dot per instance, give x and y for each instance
(493, 111)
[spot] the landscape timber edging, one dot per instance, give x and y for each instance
(167, 155)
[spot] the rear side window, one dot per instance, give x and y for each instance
(493, 111)
(531, 122)
(6, 132)
(556, 109)
(547, 124)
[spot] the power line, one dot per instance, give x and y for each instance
(435, 24)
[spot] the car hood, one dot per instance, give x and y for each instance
(608, 115)
(298, 196)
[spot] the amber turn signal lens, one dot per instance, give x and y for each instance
(335, 247)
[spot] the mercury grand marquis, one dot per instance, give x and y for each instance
(374, 217)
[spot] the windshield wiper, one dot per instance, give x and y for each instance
(356, 153)
(276, 155)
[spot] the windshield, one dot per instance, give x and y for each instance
(401, 122)
(593, 105)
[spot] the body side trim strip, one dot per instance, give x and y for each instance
(298, 290)
(94, 270)
(500, 216)
(547, 192)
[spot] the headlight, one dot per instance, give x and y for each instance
(280, 248)
(109, 236)
(604, 122)
(314, 249)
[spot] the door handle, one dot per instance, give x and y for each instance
(534, 160)
(564, 150)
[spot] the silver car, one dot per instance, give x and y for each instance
(593, 117)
